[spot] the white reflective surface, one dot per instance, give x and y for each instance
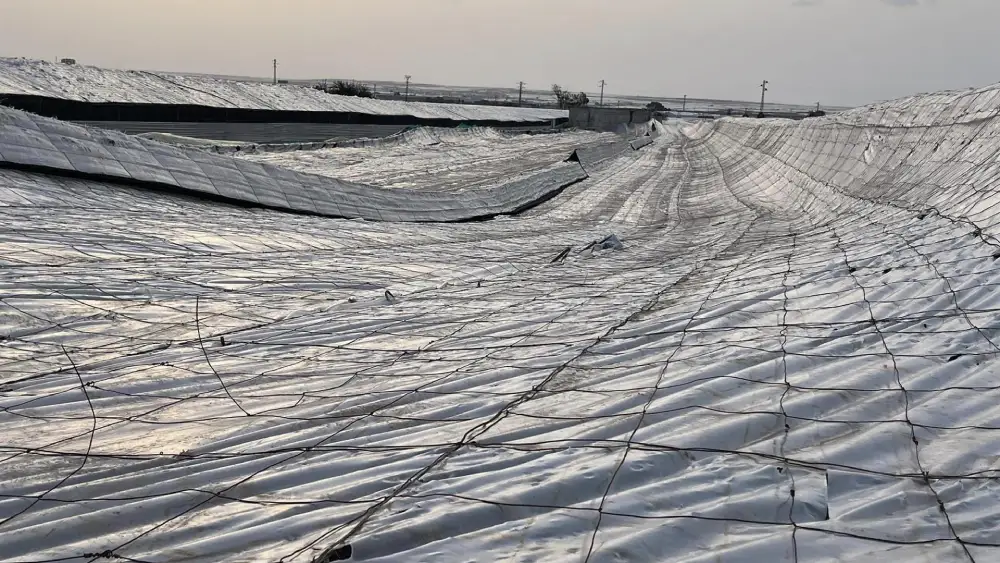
(799, 305)
(94, 84)
(51, 146)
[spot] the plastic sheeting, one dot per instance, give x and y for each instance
(93, 84)
(590, 157)
(455, 160)
(793, 359)
(57, 147)
(644, 141)
(204, 134)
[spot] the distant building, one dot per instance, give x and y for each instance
(68, 61)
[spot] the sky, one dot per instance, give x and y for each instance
(837, 52)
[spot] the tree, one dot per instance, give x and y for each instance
(656, 106)
(559, 94)
(568, 100)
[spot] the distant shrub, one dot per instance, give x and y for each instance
(655, 106)
(346, 88)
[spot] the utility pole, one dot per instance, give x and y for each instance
(602, 93)
(763, 89)
(684, 104)
(407, 95)
(520, 92)
(275, 62)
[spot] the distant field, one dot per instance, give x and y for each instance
(470, 94)
(81, 82)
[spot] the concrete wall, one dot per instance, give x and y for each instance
(607, 119)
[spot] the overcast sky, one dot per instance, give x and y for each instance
(839, 52)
